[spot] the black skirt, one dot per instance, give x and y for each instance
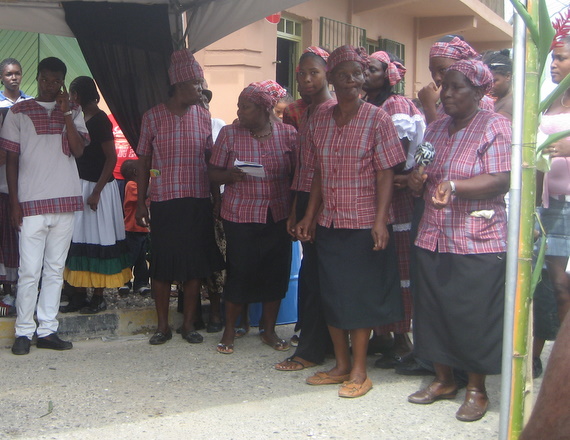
(258, 261)
(183, 245)
(458, 309)
(360, 287)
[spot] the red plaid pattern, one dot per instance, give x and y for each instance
(249, 200)
(395, 71)
(303, 173)
(456, 49)
(9, 255)
(349, 157)
(347, 53)
(45, 123)
(483, 147)
(178, 148)
(52, 206)
(293, 113)
(476, 71)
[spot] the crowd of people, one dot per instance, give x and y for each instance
(389, 244)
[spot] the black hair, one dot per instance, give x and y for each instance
(386, 90)
(7, 62)
(128, 168)
(86, 90)
(449, 37)
(499, 62)
(312, 54)
(52, 64)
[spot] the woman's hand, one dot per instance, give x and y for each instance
(142, 216)
(429, 95)
(305, 229)
(560, 148)
(292, 224)
(416, 181)
(235, 175)
(380, 236)
(401, 181)
(93, 200)
(442, 195)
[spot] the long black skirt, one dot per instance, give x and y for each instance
(183, 245)
(458, 309)
(258, 261)
(360, 287)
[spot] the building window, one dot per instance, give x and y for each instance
(336, 33)
(289, 38)
(397, 49)
(372, 46)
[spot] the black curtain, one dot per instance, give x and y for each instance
(127, 47)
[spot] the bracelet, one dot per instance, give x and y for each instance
(452, 184)
(68, 113)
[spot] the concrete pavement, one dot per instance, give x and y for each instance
(120, 387)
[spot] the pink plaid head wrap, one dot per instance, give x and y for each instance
(264, 93)
(347, 53)
(395, 71)
(184, 67)
(456, 49)
(318, 51)
(476, 71)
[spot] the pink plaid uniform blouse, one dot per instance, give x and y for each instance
(249, 200)
(178, 148)
(304, 174)
(349, 157)
(483, 147)
(293, 113)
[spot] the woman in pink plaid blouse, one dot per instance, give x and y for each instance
(458, 283)
(383, 73)
(353, 147)
(255, 209)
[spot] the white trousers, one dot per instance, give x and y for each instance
(44, 243)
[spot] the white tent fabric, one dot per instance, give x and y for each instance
(208, 20)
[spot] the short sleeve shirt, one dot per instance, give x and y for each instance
(249, 201)
(303, 173)
(178, 147)
(483, 147)
(48, 181)
(349, 158)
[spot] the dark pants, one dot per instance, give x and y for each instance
(314, 339)
(136, 242)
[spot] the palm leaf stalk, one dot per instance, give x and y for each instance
(540, 34)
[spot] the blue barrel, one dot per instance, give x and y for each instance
(288, 310)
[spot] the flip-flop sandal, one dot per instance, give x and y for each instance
(306, 364)
(240, 332)
(225, 348)
(279, 345)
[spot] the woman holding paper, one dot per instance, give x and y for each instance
(254, 210)
(460, 247)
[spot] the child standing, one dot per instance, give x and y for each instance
(137, 236)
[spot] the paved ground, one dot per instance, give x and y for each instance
(123, 388)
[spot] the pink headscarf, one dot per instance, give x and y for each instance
(184, 67)
(264, 93)
(395, 71)
(456, 49)
(318, 51)
(347, 53)
(476, 71)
